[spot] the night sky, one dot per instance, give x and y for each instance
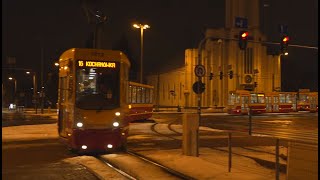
(55, 26)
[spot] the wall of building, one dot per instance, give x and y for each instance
(221, 53)
(168, 87)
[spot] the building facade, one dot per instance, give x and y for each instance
(252, 69)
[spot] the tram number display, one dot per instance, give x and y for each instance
(98, 64)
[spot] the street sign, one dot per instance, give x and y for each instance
(200, 70)
(198, 87)
(241, 22)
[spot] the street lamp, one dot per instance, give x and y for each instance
(34, 82)
(34, 75)
(15, 84)
(141, 27)
(278, 68)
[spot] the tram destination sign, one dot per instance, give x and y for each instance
(97, 64)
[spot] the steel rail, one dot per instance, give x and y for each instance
(167, 169)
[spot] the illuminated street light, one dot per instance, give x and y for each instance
(33, 81)
(15, 84)
(34, 87)
(141, 27)
(56, 64)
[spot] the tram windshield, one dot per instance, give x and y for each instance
(97, 88)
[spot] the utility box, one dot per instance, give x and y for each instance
(190, 126)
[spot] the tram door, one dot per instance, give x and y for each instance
(62, 117)
(244, 104)
(269, 103)
(275, 107)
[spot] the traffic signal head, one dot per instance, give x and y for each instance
(284, 41)
(211, 76)
(243, 38)
(231, 74)
(221, 75)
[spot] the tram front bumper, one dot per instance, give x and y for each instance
(97, 140)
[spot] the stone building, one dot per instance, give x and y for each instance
(221, 53)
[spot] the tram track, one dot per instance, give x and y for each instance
(151, 169)
(262, 162)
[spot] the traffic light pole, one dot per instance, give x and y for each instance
(200, 47)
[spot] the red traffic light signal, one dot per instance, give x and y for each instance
(285, 39)
(244, 34)
(243, 38)
(284, 43)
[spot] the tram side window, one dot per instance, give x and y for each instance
(303, 97)
(253, 98)
(147, 95)
(129, 94)
(289, 98)
(282, 98)
(232, 98)
(70, 88)
(63, 89)
(134, 94)
(260, 99)
(151, 95)
(139, 94)
(143, 95)
(237, 99)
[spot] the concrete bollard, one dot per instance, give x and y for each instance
(190, 125)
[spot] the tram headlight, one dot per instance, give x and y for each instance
(116, 124)
(117, 113)
(79, 124)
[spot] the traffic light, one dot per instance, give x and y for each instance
(284, 43)
(243, 38)
(255, 84)
(231, 74)
(221, 75)
(211, 76)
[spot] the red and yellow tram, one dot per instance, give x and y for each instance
(282, 102)
(96, 101)
(241, 101)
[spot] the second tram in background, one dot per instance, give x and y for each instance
(96, 101)
(241, 101)
(307, 101)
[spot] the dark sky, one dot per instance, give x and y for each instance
(175, 25)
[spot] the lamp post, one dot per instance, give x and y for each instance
(278, 67)
(141, 27)
(34, 82)
(15, 84)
